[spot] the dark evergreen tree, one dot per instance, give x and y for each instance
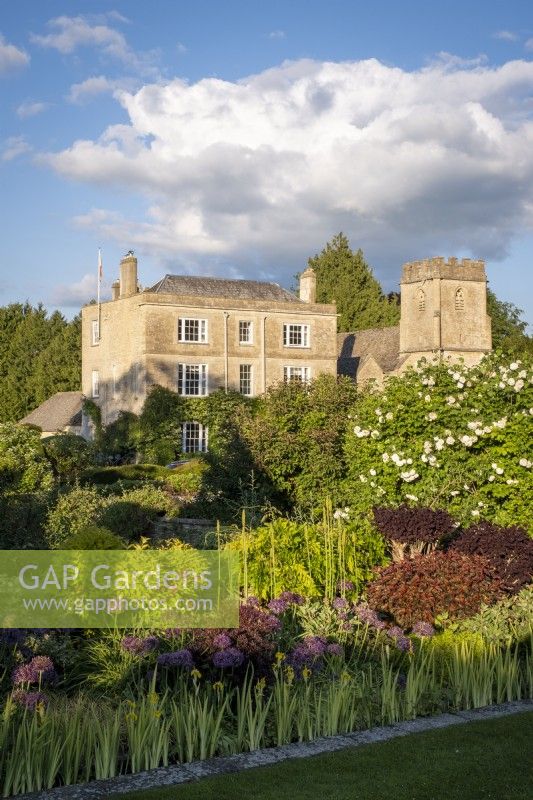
(39, 355)
(345, 278)
(509, 330)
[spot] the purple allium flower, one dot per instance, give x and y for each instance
(139, 646)
(395, 632)
(339, 603)
(335, 649)
(29, 700)
(222, 641)
(292, 598)
(39, 670)
(345, 586)
(278, 606)
(231, 657)
(307, 652)
(252, 601)
(423, 629)
(368, 616)
(403, 643)
(179, 658)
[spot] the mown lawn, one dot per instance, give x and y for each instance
(487, 760)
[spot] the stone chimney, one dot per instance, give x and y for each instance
(115, 290)
(128, 275)
(308, 286)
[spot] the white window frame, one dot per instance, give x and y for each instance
(249, 328)
(184, 330)
(184, 380)
(95, 383)
(187, 438)
(249, 380)
(95, 332)
(290, 332)
(290, 372)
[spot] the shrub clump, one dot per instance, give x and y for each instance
(421, 588)
(94, 538)
(412, 531)
(509, 551)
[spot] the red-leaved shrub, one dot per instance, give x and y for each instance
(255, 636)
(426, 586)
(412, 531)
(509, 550)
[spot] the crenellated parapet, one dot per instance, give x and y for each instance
(464, 269)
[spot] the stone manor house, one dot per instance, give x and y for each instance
(195, 335)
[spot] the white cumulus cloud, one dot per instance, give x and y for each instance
(506, 36)
(13, 147)
(96, 85)
(74, 295)
(261, 172)
(67, 34)
(11, 57)
(29, 109)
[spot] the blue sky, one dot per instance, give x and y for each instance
(236, 138)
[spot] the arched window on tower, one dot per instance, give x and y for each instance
(459, 300)
(421, 300)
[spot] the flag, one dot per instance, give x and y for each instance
(100, 268)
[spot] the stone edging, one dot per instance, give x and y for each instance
(221, 765)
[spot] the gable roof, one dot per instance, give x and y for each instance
(222, 287)
(382, 344)
(61, 410)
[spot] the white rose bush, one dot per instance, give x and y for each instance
(446, 436)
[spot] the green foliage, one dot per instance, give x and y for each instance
(74, 511)
(446, 436)
(509, 330)
(159, 426)
(23, 465)
(509, 620)
(285, 555)
(22, 518)
(69, 455)
(105, 476)
(344, 278)
(133, 513)
(129, 514)
(421, 588)
(58, 367)
(93, 538)
(39, 355)
(295, 434)
(121, 436)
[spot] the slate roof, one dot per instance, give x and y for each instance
(192, 285)
(382, 344)
(56, 413)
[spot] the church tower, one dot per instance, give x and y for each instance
(444, 310)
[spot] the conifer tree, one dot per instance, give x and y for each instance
(345, 278)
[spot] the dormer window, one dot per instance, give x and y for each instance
(421, 300)
(459, 300)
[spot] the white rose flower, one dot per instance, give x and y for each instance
(450, 440)
(373, 472)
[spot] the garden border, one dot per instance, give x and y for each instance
(221, 765)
